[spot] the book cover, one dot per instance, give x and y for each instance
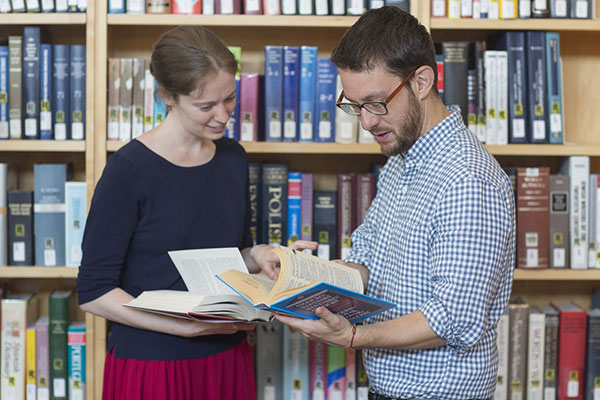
(30, 363)
(42, 354)
(148, 99)
(49, 214)
(559, 221)
(77, 90)
(308, 77)
(75, 217)
(536, 86)
(550, 351)
(20, 227)
(533, 217)
(336, 372)
(571, 351)
(58, 308)
(295, 365)
(325, 223)
(160, 108)
(232, 129)
(113, 102)
(15, 78)
(61, 123)
(269, 359)
(554, 81)
(306, 208)
(535, 353)
(325, 101)
(31, 82)
(291, 81)
(249, 107)
(125, 99)
(274, 212)
(592, 359)
(254, 186)
(346, 209)
(273, 93)
(365, 193)
(346, 125)
(294, 206)
(137, 97)
(46, 92)
(502, 341)
(76, 343)
(517, 349)
(4, 130)
(317, 370)
(456, 65)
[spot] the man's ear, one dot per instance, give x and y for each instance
(424, 78)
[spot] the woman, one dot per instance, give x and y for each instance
(178, 186)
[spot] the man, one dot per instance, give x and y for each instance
(439, 238)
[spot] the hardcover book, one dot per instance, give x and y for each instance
(58, 308)
(346, 209)
(306, 282)
(233, 124)
(269, 358)
(113, 102)
(491, 98)
(61, 123)
(592, 359)
(318, 370)
(308, 77)
(536, 86)
(4, 85)
(30, 363)
(346, 125)
(325, 101)
(137, 97)
(559, 9)
(186, 7)
(456, 65)
(254, 179)
(559, 221)
(350, 392)
(295, 365)
(365, 192)
(15, 78)
(20, 227)
(249, 107)
(325, 223)
(46, 92)
(125, 99)
(4, 224)
(274, 207)
(148, 99)
(42, 354)
(291, 81)
(503, 341)
(294, 206)
(571, 351)
(75, 217)
(228, 6)
(550, 351)
(273, 93)
(554, 81)
(76, 343)
(160, 108)
(362, 380)
(535, 353)
(306, 208)
(31, 82)
(336, 372)
(517, 349)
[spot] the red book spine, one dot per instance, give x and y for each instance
(186, 7)
(346, 212)
(571, 353)
(248, 107)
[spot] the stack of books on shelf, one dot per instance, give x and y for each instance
(42, 87)
(512, 9)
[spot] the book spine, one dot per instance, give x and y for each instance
(273, 93)
(272, 7)
(4, 130)
(581, 9)
(46, 92)
(559, 221)
(554, 80)
(438, 8)
(158, 7)
(453, 9)
(186, 7)
(47, 6)
(350, 393)
(439, 62)
(359, 7)
(524, 9)
(232, 129)
(308, 76)
(4, 233)
(294, 206)
(75, 216)
(254, 184)
(550, 355)
(76, 342)
(249, 107)
(58, 308)
(517, 351)
(61, 91)
(253, 7)
(336, 372)
(20, 227)
(509, 9)
(362, 380)
(502, 97)
(15, 74)
(346, 126)
(325, 103)
(135, 6)
(592, 223)
(321, 7)
(365, 192)
(295, 365)
(288, 7)
(125, 99)
(13, 349)
(535, 355)
(137, 97)
(472, 100)
(269, 359)
(228, 6)
(325, 223)
(160, 108)
(42, 358)
(306, 208)
(455, 65)
(49, 213)
(305, 7)
(18, 6)
(208, 7)
(318, 370)
(501, 392)
(148, 100)
(491, 87)
(559, 9)
(77, 86)
(571, 354)
(31, 82)
(291, 81)
(592, 367)
(517, 90)
(536, 80)
(346, 212)
(30, 364)
(479, 49)
(274, 204)
(114, 84)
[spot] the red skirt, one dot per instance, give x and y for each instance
(223, 376)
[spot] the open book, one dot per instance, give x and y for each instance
(305, 283)
(207, 298)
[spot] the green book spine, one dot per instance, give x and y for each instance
(59, 319)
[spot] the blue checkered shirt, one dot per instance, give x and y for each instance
(440, 238)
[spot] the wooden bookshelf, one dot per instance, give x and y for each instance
(262, 21)
(32, 272)
(538, 24)
(43, 146)
(44, 19)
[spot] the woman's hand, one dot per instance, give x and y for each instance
(198, 328)
(268, 261)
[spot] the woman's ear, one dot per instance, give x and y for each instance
(166, 97)
(425, 79)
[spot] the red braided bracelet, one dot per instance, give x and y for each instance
(352, 340)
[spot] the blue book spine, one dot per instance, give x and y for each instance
(4, 92)
(517, 88)
(325, 101)
(160, 108)
(31, 81)
(553, 69)
(308, 78)
(49, 213)
(294, 206)
(291, 83)
(273, 93)
(77, 84)
(76, 347)
(536, 80)
(46, 92)
(60, 91)
(116, 6)
(76, 201)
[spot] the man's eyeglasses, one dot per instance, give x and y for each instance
(374, 107)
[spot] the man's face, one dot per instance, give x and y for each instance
(400, 128)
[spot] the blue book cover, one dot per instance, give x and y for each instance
(49, 214)
(31, 82)
(553, 69)
(46, 92)
(308, 83)
(233, 125)
(76, 203)
(325, 101)
(76, 347)
(61, 123)
(77, 84)
(537, 130)
(294, 210)
(273, 93)
(296, 371)
(160, 108)
(291, 83)
(4, 92)
(116, 6)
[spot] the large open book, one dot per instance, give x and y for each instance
(305, 283)
(207, 298)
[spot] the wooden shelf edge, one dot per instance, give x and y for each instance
(43, 145)
(38, 272)
(45, 19)
(550, 274)
(546, 24)
(282, 21)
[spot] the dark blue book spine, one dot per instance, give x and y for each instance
(60, 91)
(308, 75)
(31, 82)
(20, 227)
(254, 186)
(325, 101)
(536, 80)
(274, 206)
(592, 368)
(325, 223)
(46, 92)
(273, 93)
(291, 83)
(77, 83)
(555, 107)
(517, 88)
(4, 132)
(403, 4)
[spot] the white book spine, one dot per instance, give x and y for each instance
(535, 356)
(592, 226)
(578, 169)
(502, 343)
(491, 120)
(346, 125)
(466, 8)
(494, 9)
(3, 214)
(502, 97)
(454, 7)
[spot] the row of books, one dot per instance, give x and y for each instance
(288, 366)
(43, 355)
(512, 9)
(509, 88)
(42, 87)
(549, 352)
(251, 7)
(43, 6)
(43, 227)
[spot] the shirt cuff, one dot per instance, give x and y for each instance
(441, 323)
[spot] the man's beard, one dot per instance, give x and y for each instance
(409, 130)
